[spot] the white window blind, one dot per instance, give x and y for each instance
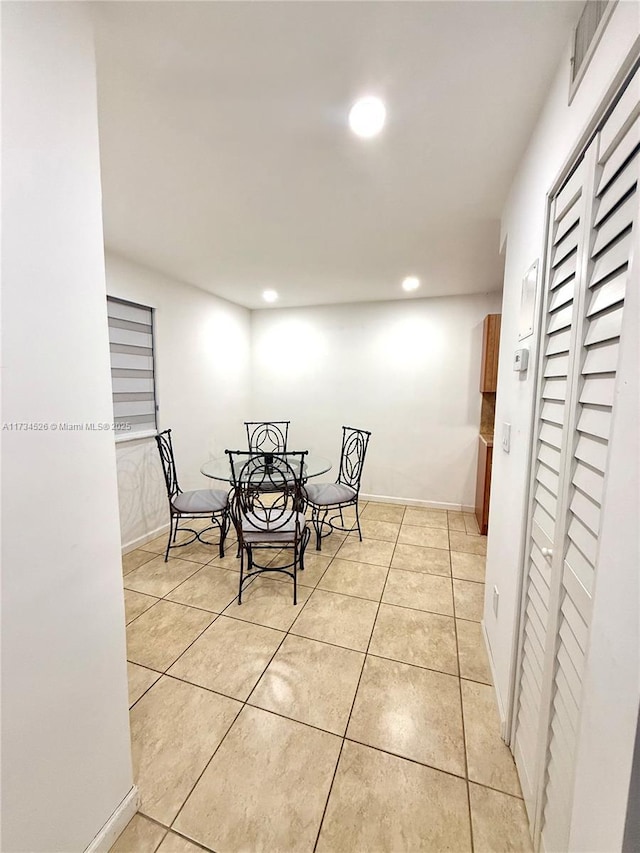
(132, 366)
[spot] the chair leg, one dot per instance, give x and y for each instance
(306, 535)
(171, 536)
(241, 555)
(358, 521)
(318, 524)
(295, 574)
(224, 529)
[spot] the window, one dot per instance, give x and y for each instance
(132, 371)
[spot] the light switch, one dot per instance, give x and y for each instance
(506, 437)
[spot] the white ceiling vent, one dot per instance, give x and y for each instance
(587, 34)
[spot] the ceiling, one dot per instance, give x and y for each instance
(227, 162)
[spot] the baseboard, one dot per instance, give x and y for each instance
(105, 839)
(504, 729)
(385, 499)
(147, 537)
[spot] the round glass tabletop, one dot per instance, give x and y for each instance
(219, 468)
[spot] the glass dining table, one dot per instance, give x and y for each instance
(219, 467)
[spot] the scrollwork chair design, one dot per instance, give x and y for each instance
(198, 503)
(267, 510)
(267, 436)
(324, 498)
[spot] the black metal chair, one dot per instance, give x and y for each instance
(199, 503)
(267, 436)
(267, 508)
(324, 498)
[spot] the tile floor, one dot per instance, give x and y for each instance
(361, 720)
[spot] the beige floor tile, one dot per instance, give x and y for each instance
(351, 510)
(201, 523)
(471, 524)
(199, 552)
(157, 545)
(158, 578)
(419, 590)
(413, 636)
(211, 588)
(417, 558)
(339, 619)
(468, 599)
(412, 712)
(472, 653)
(456, 521)
(499, 822)
(381, 803)
(423, 517)
(368, 551)
(175, 729)
(315, 565)
(158, 637)
(469, 544)
(265, 789)
(141, 835)
(469, 567)
(387, 531)
(488, 757)
(230, 561)
(383, 512)
(330, 544)
(311, 682)
(174, 843)
(363, 580)
(429, 537)
(136, 603)
(269, 602)
(134, 559)
(229, 657)
(140, 680)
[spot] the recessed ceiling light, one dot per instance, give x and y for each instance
(366, 117)
(411, 283)
(269, 295)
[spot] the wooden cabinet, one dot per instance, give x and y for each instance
(488, 386)
(490, 347)
(483, 482)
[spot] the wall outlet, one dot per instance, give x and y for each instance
(496, 600)
(506, 437)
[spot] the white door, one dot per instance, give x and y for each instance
(592, 218)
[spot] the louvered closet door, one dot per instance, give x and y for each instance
(613, 219)
(568, 214)
(594, 217)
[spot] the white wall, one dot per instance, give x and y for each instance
(65, 728)
(406, 370)
(558, 131)
(202, 346)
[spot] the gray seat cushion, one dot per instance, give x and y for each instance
(201, 500)
(255, 527)
(328, 494)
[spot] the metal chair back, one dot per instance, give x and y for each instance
(354, 450)
(267, 436)
(165, 449)
(267, 490)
